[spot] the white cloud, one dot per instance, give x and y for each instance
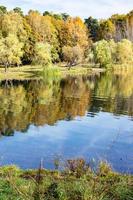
(84, 8)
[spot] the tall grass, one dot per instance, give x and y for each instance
(50, 73)
(76, 182)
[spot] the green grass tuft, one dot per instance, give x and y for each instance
(77, 182)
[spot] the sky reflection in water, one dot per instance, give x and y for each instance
(92, 119)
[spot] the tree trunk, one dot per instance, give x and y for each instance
(69, 67)
(5, 68)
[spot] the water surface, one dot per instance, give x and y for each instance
(84, 116)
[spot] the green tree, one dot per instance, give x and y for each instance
(42, 55)
(93, 27)
(102, 53)
(113, 49)
(56, 16)
(3, 10)
(18, 10)
(124, 51)
(10, 51)
(65, 16)
(47, 13)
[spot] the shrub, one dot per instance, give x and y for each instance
(72, 55)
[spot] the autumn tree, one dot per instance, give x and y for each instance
(120, 22)
(42, 26)
(66, 34)
(106, 30)
(13, 23)
(44, 30)
(10, 51)
(51, 36)
(72, 55)
(42, 55)
(73, 33)
(29, 44)
(124, 52)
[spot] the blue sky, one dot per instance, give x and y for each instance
(82, 8)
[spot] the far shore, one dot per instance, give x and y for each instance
(28, 72)
(31, 72)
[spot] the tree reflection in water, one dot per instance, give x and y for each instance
(23, 103)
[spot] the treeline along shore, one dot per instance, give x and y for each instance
(47, 39)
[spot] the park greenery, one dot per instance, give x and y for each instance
(107, 53)
(47, 39)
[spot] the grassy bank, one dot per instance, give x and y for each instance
(20, 73)
(33, 72)
(76, 182)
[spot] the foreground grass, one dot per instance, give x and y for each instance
(76, 182)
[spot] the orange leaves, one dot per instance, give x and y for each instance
(42, 26)
(74, 32)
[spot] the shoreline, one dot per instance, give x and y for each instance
(29, 72)
(77, 181)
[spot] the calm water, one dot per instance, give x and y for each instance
(90, 117)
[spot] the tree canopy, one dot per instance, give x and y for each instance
(35, 33)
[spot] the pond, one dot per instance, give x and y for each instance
(87, 117)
